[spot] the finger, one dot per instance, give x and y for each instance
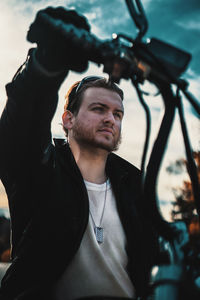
(68, 16)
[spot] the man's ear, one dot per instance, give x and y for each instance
(68, 119)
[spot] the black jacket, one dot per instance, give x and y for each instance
(47, 197)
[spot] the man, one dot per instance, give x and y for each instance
(77, 224)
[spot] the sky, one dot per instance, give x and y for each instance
(173, 21)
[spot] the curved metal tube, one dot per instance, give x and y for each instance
(149, 188)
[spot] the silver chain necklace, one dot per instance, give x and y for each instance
(98, 230)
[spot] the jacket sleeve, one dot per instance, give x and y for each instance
(26, 119)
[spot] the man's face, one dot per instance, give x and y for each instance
(98, 122)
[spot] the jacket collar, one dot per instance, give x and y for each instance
(116, 167)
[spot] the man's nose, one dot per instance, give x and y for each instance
(109, 118)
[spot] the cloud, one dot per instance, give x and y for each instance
(3, 197)
(173, 22)
(190, 24)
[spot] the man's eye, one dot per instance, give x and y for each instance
(118, 115)
(98, 108)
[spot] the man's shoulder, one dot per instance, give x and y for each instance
(116, 161)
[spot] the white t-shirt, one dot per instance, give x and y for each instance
(98, 269)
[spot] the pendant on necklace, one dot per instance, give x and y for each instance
(99, 234)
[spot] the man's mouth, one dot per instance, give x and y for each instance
(107, 130)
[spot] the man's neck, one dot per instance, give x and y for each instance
(91, 162)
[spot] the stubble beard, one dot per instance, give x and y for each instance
(87, 139)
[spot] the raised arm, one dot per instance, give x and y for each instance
(33, 94)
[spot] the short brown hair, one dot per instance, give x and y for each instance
(74, 97)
